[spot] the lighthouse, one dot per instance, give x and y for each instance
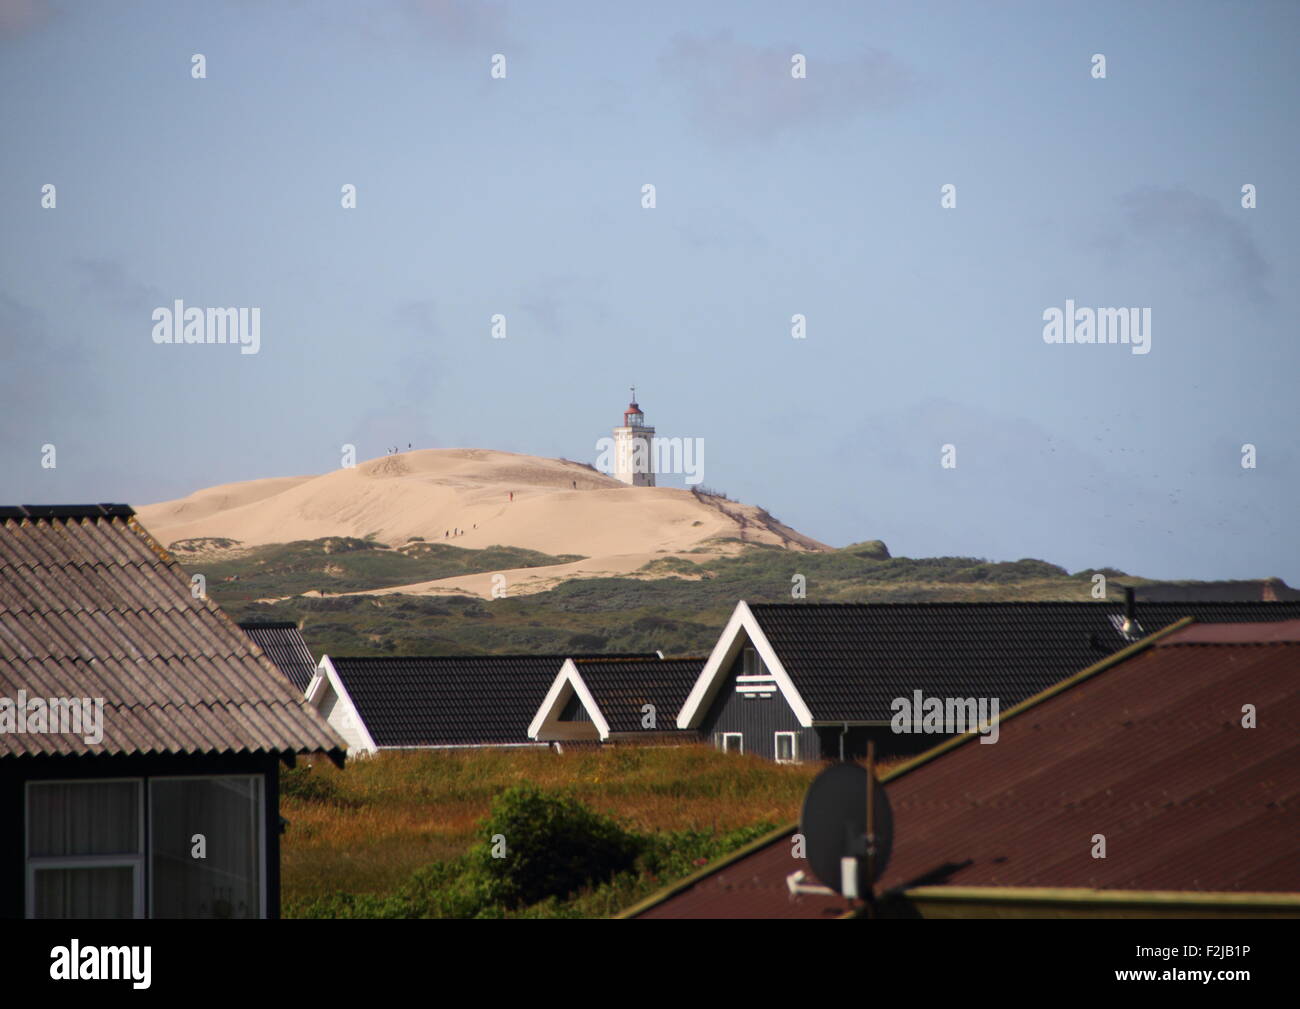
(634, 448)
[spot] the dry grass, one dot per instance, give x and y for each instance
(391, 814)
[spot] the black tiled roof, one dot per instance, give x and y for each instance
(849, 661)
(284, 645)
(449, 700)
(622, 686)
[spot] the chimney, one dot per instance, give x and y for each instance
(1130, 615)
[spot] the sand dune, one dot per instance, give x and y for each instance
(559, 507)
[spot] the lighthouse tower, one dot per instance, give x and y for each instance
(634, 448)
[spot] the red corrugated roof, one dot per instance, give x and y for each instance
(1149, 752)
(753, 887)
(1255, 633)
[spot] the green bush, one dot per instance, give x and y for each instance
(872, 550)
(553, 846)
(300, 783)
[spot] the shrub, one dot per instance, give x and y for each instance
(872, 550)
(300, 783)
(587, 642)
(554, 845)
(1086, 574)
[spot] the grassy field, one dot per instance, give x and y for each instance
(366, 830)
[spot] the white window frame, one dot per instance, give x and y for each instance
(737, 735)
(142, 875)
(136, 862)
(794, 747)
(259, 802)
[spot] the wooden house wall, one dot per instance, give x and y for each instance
(15, 772)
(758, 719)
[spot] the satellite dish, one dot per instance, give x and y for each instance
(833, 822)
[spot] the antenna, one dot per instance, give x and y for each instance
(633, 394)
(848, 825)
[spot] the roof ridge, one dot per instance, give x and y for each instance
(577, 657)
(988, 603)
(68, 511)
(646, 658)
(1229, 644)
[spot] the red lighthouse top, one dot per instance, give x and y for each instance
(632, 416)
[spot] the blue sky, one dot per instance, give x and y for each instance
(775, 196)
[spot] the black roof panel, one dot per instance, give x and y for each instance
(450, 700)
(850, 660)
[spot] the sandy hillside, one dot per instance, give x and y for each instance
(559, 507)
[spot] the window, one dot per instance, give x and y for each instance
(753, 663)
(89, 854)
(85, 849)
(733, 742)
(227, 881)
(786, 750)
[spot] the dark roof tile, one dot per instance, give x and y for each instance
(1148, 751)
(849, 661)
(621, 687)
(449, 700)
(283, 644)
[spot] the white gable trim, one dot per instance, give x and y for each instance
(721, 658)
(325, 672)
(318, 681)
(551, 706)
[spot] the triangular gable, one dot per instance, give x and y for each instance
(326, 681)
(741, 627)
(568, 683)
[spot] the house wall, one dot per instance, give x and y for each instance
(16, 772)
(758, 719)
(889, 744)
(341, 721)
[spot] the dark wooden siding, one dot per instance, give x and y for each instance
(575, 711)
(888, 743)
(758, 719)
(15, 772)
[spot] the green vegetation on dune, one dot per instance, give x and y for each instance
(678, 614)
(346, 564)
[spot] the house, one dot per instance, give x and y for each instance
(1179, 754)
(282, 642)
(433, 702)
(616, 700)
(140, 731)
(807, 681)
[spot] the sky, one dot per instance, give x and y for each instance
(923, 404)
